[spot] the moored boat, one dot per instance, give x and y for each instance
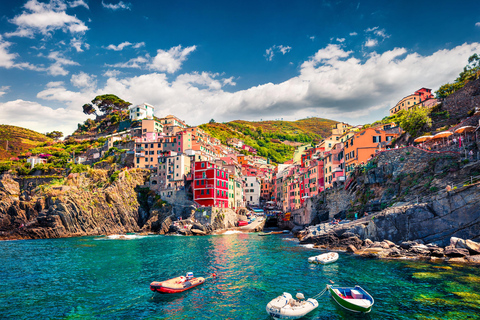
(270, 233)
(285, 307)
(324, 258)
(354, 299)
(176, 285)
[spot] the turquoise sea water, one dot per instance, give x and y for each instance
(101, 278)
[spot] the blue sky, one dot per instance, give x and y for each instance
(252, 60)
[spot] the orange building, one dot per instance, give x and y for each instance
(362, 146)
(413, 100)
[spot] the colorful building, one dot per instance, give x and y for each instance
(413, 100)
(210, 185)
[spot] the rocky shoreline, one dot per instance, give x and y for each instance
(337, 239)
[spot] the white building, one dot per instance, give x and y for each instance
(252, 191)
(35, 160)
(142, 111)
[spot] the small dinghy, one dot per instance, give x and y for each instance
(354, 299)
(325, 258)
(285, 307)
(178, 284)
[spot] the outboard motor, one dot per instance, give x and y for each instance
(300, 296)
(189, 275)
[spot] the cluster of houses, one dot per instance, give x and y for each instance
(189, 161)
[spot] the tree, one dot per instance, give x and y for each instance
(89, 109)
(211, 121)
(55, 135)
(414, 120)
(109, 102)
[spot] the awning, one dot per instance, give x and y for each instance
(465, 129)
(443, 134)
(423, 138)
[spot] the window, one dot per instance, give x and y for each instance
(203, 182)
(202, 192)
(198, 182)
(208, 191)
(251, 184)
(203, 164)
(151, 145)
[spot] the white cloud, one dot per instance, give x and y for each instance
(370, 43)
(78, 3)
(353, 33)
(341, 40)
(45, 18)
(332, 83)
(83, 80)
(4, 90)
(138, 63)
(27, 114)
(57, 69)
(78, 43)
(371, 29)
(119, 47)
(171, 60)
(270, 52)
(111, 73)
(125, 44)
(381, 33)
(312, 38)
(118, 6)
(477, 24)
(6, 58)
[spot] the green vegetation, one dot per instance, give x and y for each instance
(268, 137)
(470, 72)
(18, 140)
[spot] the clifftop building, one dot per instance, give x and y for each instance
(142, 111)
(413, 100)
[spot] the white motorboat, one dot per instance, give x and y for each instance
(324, 258)
(285, 307)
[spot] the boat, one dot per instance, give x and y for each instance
(324, 258)
(176, 285)
(242, 223)
(270, 233)
(354, 299)
(285, 307)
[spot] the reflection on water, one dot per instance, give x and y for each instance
(82, 278)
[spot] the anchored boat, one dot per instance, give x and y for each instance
(285, 307)
(325, 258)
(178, 284)
(354, 299)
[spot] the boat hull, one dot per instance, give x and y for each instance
(353, 304)
(325, 258)
(284, 307)
(175, 285)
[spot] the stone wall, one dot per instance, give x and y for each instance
(217, 218)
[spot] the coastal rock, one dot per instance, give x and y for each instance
(9, 186)
(354, 240)
(474, 259)
(472, 246)
(198, 232)
(457, 260)
(407, 244)
(450, 251)
(389, 243)
(351, 248)
(367, 242)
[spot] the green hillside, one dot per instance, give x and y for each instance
(268, 136)
(19, 141)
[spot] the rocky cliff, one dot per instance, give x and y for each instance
(82, 204)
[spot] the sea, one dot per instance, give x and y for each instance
(109, 278)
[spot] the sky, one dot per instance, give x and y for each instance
(227, 60)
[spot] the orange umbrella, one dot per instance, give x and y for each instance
(443, 134)
(423, 138)
(465, 129)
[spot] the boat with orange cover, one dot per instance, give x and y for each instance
(176, 285)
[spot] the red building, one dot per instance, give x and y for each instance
(210, 185)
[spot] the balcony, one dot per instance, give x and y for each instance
(139, 155)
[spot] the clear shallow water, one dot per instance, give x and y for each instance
(108, 278)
